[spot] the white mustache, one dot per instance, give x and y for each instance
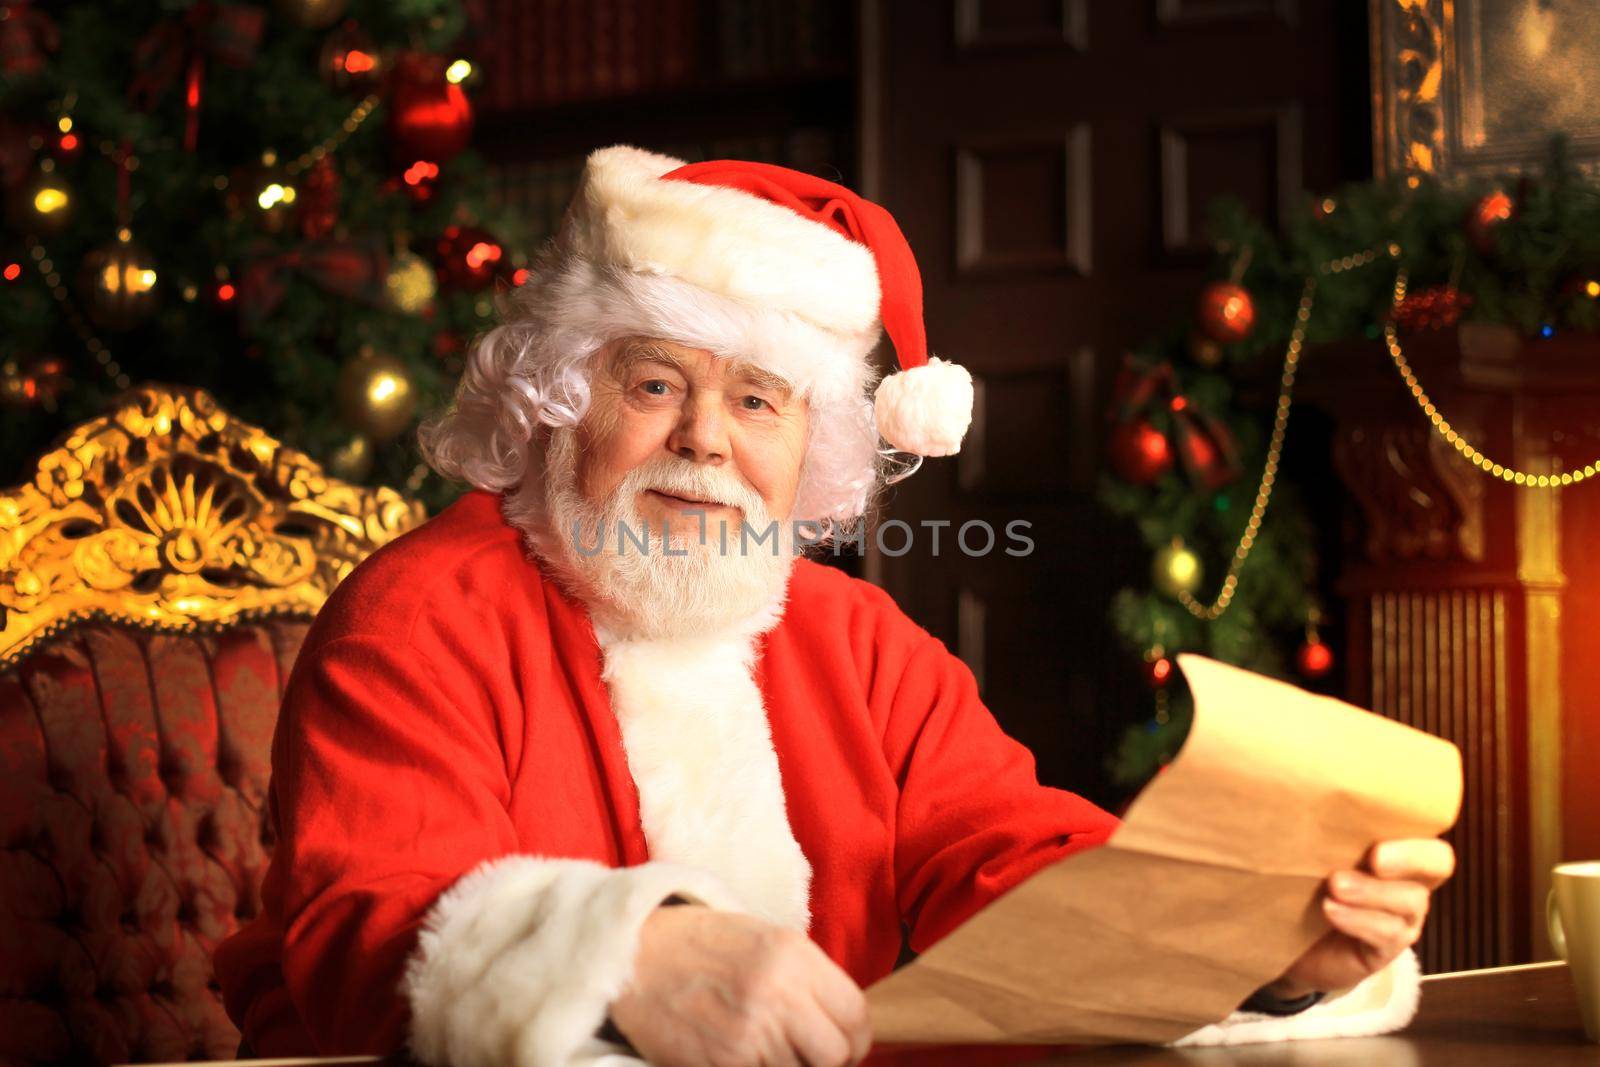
(704, 484)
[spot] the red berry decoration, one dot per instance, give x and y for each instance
(1315, 658)
(1436, 308)
(1485, 219)
(1139, 452)
(429, 117)
(1157, 668)
(468, 257)
(1227, 312)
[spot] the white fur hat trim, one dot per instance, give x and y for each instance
(722, 239)
(925, 410)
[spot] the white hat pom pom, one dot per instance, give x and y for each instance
(925, 410)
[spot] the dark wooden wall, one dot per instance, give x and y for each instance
(1049, 161)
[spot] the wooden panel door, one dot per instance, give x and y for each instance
(1050, 161)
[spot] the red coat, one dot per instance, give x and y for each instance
(448, 708)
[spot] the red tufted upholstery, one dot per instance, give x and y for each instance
(133, 836)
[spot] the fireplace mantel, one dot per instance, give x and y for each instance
(1462, 617)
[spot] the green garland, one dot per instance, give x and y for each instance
(1522, 250)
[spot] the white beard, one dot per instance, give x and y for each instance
(724, 584)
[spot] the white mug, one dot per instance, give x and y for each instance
(1572, 914)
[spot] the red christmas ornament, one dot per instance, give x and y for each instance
(468, 257)
(1227, 312)
(317, 202)
(1315, 658)
(429, 118)
(1438, 307)
(1485, 218)
(1139, 452)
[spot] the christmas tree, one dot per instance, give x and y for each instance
(276, 204)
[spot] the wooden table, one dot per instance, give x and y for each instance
(1508, 1015)
(1526, 1014)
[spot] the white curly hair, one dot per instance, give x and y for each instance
(534, 369)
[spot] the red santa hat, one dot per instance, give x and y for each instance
(789, 270)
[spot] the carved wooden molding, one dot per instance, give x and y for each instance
(1419, 499)
(1067, 26)
(170, 514)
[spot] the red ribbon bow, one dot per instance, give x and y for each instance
(341, 267)
(25, 36)
(228, 33)
(1206, 447)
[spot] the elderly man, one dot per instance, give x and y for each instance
(584, 691)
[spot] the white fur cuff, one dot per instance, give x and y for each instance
(1384, 1002)
(517, 963)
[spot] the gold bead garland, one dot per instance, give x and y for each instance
(52, 281)
(1280, 425)
(1442, 425)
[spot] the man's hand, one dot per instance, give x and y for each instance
(1377, 913)
(721, 989)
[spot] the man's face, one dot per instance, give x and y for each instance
(653, 397)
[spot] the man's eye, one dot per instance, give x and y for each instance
(655, 387)
(753, 403)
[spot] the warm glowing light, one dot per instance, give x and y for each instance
(225, 292)
(274, 195)
(49, 200)
(458, 72)
(12, 272)
(358, 62)
(1496, 207)
(482, 253)
(421, 171)
(383, 387)
(127, 279)
(1180, 403)
(65, 124)
(69, 142)
(1328, 206)
(1591, 288)
(519, 275)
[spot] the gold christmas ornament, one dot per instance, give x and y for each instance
(1176, 570)
(352, 460)
(411, 283)
(311, 14)
(118, 284)
(375, 395)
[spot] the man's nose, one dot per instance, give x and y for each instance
(701, 434)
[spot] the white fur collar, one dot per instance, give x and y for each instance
(700, 750)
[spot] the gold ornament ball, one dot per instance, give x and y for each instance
(311, 14)
(352, 460)
(118, 283)
(1175, 569)
(411, 283)
(375, 395)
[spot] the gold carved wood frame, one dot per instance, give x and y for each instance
(1479, 86)
(170, 514)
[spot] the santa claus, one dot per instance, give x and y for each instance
(604, 681)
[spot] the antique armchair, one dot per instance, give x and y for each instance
(156, 579)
